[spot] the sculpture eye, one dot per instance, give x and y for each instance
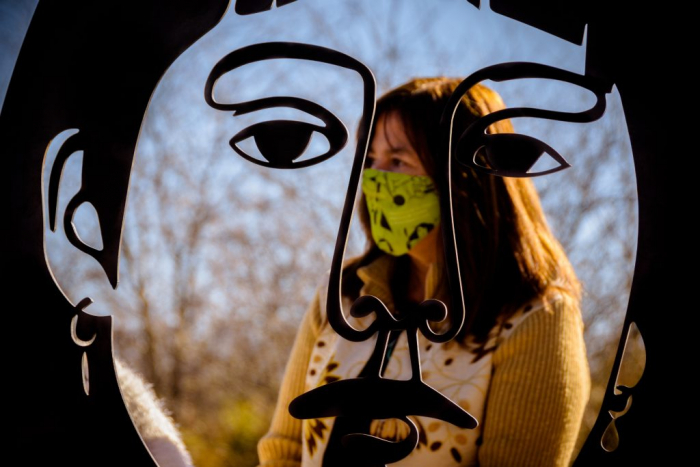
(282, 142)
(509, 154)
(506, 154)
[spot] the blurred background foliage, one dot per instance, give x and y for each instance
(221, 257)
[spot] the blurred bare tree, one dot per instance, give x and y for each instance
(220, 257)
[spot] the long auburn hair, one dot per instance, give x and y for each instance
(507, 253)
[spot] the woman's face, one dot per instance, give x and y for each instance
(391, 150)
(399, 232)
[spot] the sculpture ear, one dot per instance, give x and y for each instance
(629, 373)
(72, 145)
(72, 231)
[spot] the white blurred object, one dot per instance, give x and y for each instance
(152, 419)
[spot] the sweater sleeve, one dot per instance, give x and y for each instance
(539, 390)
(281, 446)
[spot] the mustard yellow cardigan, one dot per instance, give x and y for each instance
(538, 390)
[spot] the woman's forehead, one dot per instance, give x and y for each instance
(390, 130)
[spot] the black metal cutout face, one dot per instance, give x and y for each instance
(282, 142)
(50, 112)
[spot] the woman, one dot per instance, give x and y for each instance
(519, 365)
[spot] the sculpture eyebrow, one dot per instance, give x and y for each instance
(285, 50)
(297, 103)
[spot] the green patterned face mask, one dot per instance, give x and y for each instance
(402, 208)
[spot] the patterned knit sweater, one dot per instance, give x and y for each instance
(527, 385)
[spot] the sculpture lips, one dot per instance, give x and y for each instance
(378, 398)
